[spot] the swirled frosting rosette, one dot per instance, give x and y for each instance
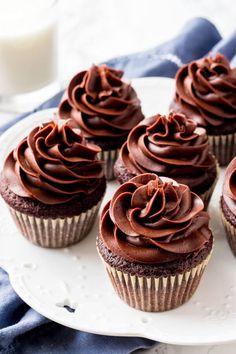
(105, 108)
(206, 93)
(153, 227)
(53, 164)
(171, 146)
(53, 174)
(103, 105)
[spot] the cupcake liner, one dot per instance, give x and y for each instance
(55, 233)
(206, 196)
(223, 147)
(155, 294)
(110, 157)
(230, 233)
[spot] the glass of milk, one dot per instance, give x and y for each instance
(28, 49)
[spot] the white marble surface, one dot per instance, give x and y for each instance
(92, 31)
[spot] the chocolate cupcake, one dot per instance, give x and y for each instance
(155, 242)
(53, 184)
(206, 93)
(171, 146)
(228, 204)
(105, 108)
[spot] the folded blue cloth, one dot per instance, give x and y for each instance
(226, 47)
(196, 39)
(24, 331)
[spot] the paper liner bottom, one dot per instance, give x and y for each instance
(156, 294)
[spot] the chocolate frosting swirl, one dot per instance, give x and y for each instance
(171, 146)
(229, 186)
(206, 91)
(154, 220)
(101, 103)
(53, 164)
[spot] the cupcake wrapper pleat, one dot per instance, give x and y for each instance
(206, 196)
(55, 233)
(230, 233)
(155, 294)
(223, 147)
(110, 157)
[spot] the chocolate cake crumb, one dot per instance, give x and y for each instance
(154, 270)
(36, 208)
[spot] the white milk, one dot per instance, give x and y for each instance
(28, 45)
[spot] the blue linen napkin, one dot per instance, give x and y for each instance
(195, 40)
(226, 47)
(24, 331)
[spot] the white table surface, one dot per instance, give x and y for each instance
(92, 31)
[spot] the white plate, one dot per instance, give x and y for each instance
(49, 279)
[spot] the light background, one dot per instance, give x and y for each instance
(94, 30)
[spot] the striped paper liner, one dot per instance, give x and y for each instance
(55, 233)
(206, 196)
(230, 233)
(156, 294)
(110, 157)
(223, 147)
